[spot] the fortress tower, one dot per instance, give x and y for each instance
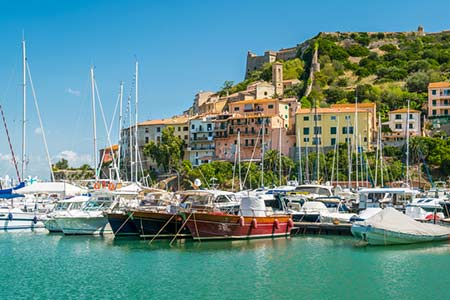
(277, 78)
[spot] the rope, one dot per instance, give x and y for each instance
(162, 228)
(123, 224)
(9, 142)
(182, 226)
(196, 229)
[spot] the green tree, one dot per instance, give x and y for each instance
(417, 82)
(169, 152)
(62, 164)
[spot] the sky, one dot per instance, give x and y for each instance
(182, 47)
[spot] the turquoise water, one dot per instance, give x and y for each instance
(41, 266)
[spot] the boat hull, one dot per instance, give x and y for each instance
(376, 236)
(312, 217)
(52, 226)
(225, 226)
(159, 225)
(84, 225)
(20, 221)
(122, 224)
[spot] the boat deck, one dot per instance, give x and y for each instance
(321, 228)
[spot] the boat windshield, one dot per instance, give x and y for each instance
(76, 205)
(97, 205)
(62, 206)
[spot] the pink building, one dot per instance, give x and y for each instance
(258, 122)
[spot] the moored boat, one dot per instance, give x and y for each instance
(391, 227)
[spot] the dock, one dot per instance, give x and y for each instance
(321, 228)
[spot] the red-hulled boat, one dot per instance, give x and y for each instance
(226, 226)
(253, 221)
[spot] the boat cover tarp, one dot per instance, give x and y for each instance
(252, 206)
(52, 188)
(10, 190)
(133, 188)
(391, 219)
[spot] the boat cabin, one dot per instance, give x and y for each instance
(383, 197)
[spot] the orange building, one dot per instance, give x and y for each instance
(439, 99)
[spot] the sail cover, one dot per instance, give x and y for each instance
(51, 188)
(391, 219)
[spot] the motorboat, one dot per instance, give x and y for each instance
(391, 227)
(90, 219)
(62, 208)
(253, 221)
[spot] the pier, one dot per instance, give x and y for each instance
(321, 228)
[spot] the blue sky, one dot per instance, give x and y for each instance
(182, 47)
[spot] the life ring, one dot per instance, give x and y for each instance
(97, 185)
(111, 186)
(254, 223)
(276, 223)
(242, 221)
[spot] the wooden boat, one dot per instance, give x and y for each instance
(253, 221)
(391, 227)
(158, 224)
(122, 224)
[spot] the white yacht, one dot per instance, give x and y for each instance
(15, 219)
(91, 219)
(63, 208)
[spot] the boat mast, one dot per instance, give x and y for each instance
(381, 151)
(262, 153)
(300, 175)
(316, 137)
(94, 124)
(355, 134)
(24, 111)
(130, 133)
(239, 158)
(279, 157)
(120, 127)
(136, 149)
(407, 146)
(349, 154)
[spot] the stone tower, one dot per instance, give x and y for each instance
(277, 78)
(420, 31)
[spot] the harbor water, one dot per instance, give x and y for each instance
(44, 266)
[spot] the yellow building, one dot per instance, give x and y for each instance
(334, 126)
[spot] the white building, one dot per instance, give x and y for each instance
(398, 123)
(201, 147)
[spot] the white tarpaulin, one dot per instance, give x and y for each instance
(252, 206)
(133, 188)
(391, 219)
(51, 188)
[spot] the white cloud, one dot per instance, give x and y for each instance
(74, 159)
(73, 92)
(38, 131)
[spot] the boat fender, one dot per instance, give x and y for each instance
(290, 223)
(276, 223)
(254, 223)
(242, 221)
(35, 220)
(97, 185)
(10, 216)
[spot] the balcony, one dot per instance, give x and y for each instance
(195, 148)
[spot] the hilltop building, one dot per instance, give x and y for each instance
(201, 147)
(439, 105)
(326, 127)
(399, 124)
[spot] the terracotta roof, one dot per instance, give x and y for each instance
(254, 101)
(442, 84)
(329, 110)
(404, 110)
(170, 121)
(360, 105)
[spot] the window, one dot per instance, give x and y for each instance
(411, 117)
(348, 130)
(317, 117)
(434, 102)
(306, 118)
(265, 94)
(434, 112)
(398, 117)
(179, 128)
(333, 118)
(411, 126)
(192, 126)
(347, 117)
(248, 107)
(185, 137)
(306, 130)
(433, 92)
(348, 140)
(316, 141)
(446, 112)
(236, 108)
(185, 128)
(317, 130)
(146, 129)
(246, 142)
(365, 139)
(333, 141)
(158, 129)
(270, 106)
(146, 139)
(398, 126)
(445, 102)
(306, 139)
(333, 130)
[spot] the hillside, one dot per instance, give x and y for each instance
(384, 67)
